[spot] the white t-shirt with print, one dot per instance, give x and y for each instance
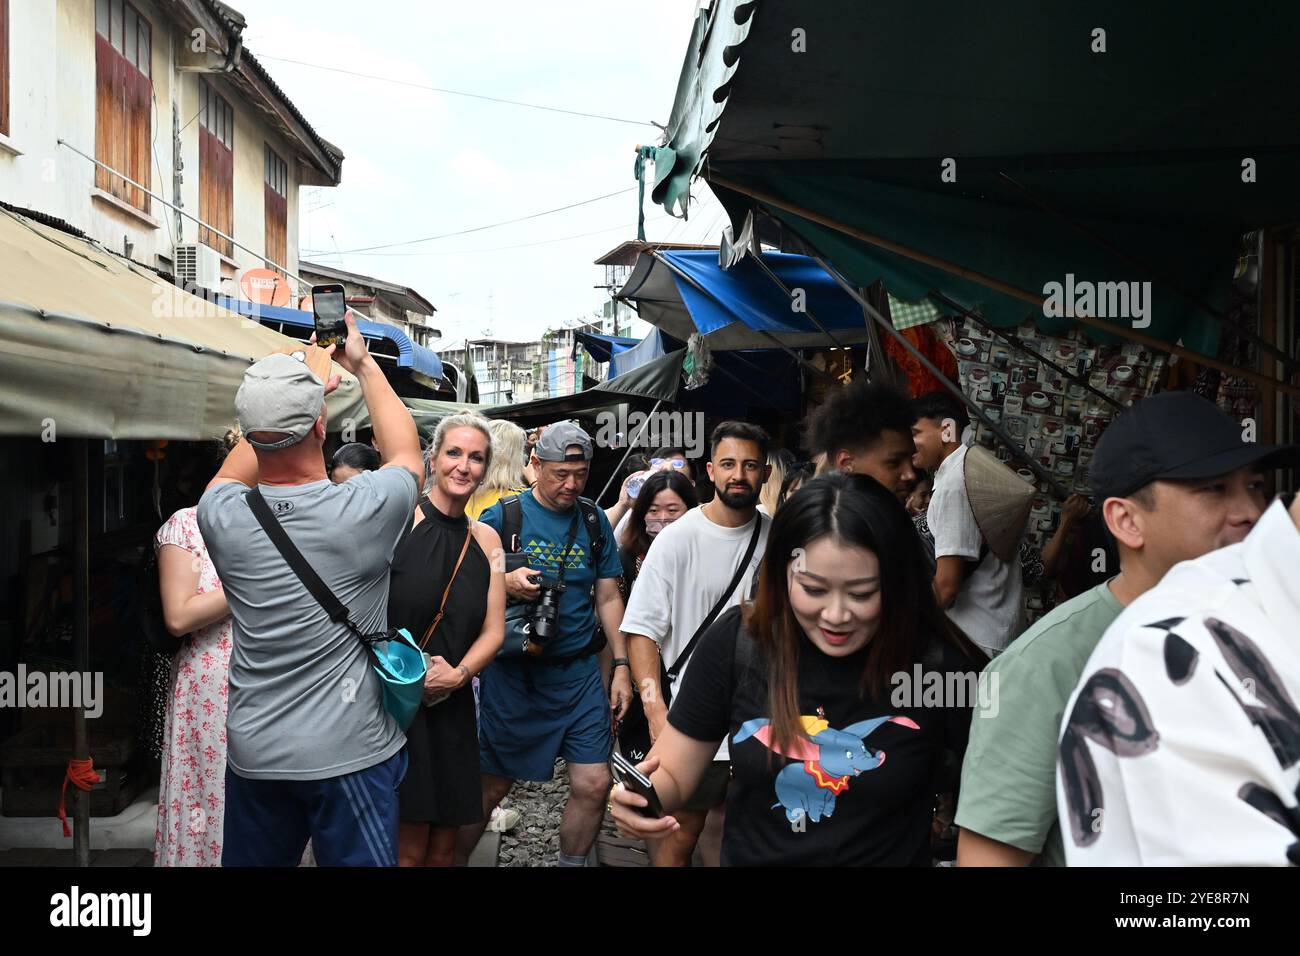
(1181, 744)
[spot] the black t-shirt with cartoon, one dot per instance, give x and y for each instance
(858, 789)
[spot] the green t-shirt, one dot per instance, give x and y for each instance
(1008, 783)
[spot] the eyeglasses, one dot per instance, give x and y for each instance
(678, 463)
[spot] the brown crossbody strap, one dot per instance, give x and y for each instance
(437, 618)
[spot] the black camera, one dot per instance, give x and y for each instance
(545, 615)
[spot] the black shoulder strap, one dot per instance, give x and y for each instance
(628, 560)
(512, 522)
(685, 655)
(289, 551)
(594, 534)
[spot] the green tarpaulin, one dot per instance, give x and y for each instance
(1013, 140)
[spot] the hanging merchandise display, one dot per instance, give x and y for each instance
(698, 362)
(1053, 418)
(929, 343)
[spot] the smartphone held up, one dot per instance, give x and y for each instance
(328, 307)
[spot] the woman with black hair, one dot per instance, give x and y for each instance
(665, 497)
(351, 460)
(796, 476)
(814, 683)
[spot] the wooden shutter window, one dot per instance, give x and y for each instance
(216, 169)
(123, 99)
(276, 193)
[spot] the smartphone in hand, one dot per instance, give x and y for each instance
(625, 772)
(328, 306)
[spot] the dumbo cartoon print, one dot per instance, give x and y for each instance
(829, 760)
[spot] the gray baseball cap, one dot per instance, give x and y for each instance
(279, 394)
(558, 438)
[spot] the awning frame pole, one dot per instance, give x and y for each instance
(632, 443)
(952, 268)
(1015, 343)
(1044, 475)
(767, 270)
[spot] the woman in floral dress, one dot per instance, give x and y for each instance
(191, 795)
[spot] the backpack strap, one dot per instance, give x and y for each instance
(591, 516)
(512, 523)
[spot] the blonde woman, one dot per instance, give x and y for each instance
(192, 784)
(444, 590)
(506, 475)
(770, 497)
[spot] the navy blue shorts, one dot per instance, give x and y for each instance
(522, 729)
(351, 820)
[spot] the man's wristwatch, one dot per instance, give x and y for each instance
(621, 662)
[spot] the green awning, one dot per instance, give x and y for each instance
(657, 380)
(1123, 165)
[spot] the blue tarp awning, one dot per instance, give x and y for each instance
(409, 354)
(683, 291)
(602, 348)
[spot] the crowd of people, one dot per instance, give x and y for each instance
(749, 631)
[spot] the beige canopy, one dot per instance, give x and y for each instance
(95, 346)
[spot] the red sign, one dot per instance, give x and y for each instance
(265, 287)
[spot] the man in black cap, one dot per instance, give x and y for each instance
(546, 698)
(1173, 480)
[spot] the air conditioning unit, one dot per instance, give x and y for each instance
(198, 265)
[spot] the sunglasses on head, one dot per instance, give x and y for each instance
(678, 463)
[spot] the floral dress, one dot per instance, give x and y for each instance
(191, 795)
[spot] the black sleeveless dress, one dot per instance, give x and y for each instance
(442, 781)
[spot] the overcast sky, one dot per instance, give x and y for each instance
(420, 163)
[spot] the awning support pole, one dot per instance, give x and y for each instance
(790, 295)
(998, 285)
(1044, 475)
(81, 642)
(632, 443)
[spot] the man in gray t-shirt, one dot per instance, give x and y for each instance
(312, 754)
(303, 703)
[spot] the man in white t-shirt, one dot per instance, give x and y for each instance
(682, 578)
(981, 592)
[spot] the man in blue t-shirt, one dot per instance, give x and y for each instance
(535, 708)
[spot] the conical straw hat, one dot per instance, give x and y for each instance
(1000, 499)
